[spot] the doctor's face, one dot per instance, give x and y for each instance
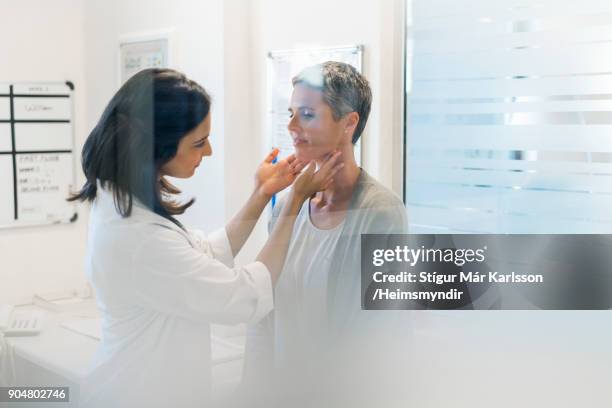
(191, 149)
(312, 126)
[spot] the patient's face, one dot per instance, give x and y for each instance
(313, 129)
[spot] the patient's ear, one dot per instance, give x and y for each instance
(351, 121)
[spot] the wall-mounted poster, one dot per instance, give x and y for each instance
(142, 51)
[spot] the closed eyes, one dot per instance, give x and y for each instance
(305, 113)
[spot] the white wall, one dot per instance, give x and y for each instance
(241, 140)
(197, 28)
(42, 40)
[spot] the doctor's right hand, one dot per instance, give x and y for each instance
(310, 181)
(271, 177)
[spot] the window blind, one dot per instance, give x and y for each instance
(509, 116)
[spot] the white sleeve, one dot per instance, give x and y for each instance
(216, 245)
(171, 276)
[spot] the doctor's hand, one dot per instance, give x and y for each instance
(310, 181)
(271, 178)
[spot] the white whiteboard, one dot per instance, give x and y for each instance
(5, 137)
(284, 65)
(5, 108)
(36, 154)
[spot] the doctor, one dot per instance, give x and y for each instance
(159, 285)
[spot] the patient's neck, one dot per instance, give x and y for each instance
(339, 194)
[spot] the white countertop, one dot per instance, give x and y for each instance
(68, 353)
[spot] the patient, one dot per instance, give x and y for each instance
(317, 311)
(317, 329)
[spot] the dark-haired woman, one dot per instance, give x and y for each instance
(158, 284)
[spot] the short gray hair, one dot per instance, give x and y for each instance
(344, 89)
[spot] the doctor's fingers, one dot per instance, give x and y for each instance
(310, 169)
(297, 166)
(329, 169)
(283, 167)
(330, 163)
(290, 159)
(328, 183)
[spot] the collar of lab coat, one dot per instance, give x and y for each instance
(105, 203)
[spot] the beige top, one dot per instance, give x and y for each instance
(318, 295)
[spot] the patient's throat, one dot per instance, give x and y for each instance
(325, 215)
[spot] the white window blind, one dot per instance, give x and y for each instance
(509, 116)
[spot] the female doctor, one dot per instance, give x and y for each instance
(159, 285)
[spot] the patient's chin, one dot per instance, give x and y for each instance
(303, 155)
(307, 155)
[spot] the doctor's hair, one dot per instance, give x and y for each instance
(139, 132)
(344, 89)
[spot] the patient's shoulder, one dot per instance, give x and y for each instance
(373, 194)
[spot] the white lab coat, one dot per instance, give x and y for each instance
(159, 288)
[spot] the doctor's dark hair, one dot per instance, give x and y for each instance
(138, 133)
(344, 89)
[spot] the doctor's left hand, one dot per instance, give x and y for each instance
(271, 178)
